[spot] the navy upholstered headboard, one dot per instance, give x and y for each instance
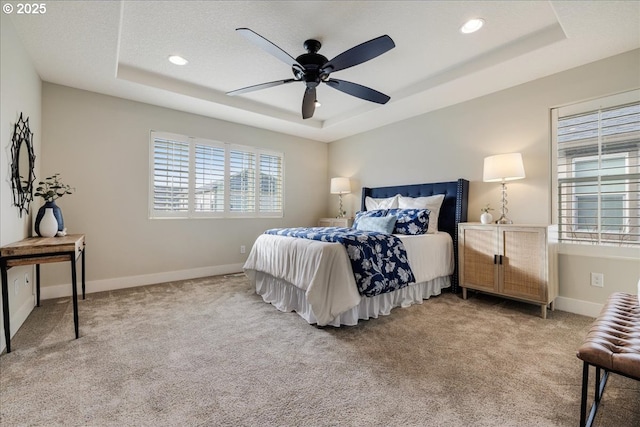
(452, 212)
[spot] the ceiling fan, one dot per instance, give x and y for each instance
(313, 68)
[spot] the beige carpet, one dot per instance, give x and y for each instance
(210, 352)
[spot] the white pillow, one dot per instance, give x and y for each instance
(389, 203)
(432, 203)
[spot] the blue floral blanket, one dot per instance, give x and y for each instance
(379, 261)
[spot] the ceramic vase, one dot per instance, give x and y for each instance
(48, 224)
(57, 213)
(486, 218)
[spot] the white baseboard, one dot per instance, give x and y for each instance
(577, 306)
(64, 290)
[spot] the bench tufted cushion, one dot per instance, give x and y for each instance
(613, 342)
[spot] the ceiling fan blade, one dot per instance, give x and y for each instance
(358, 91)
(269, 47)
(260, 86)
(359, 54)
(309, 103)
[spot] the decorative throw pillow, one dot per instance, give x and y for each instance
(410, 221)
(364, 214)
(372, 204)
(432, 203)
(381, 224)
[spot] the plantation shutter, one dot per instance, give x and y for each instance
(242, 181)
(199, 178)
(271, 192)
(209, 178)
(170, 175)
(598, 153)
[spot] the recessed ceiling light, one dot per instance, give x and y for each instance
(178, 60)
(472, 25)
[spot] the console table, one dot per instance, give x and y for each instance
(41, 250)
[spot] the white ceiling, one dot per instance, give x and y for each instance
(121, 48)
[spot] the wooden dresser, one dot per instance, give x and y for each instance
(513, 261)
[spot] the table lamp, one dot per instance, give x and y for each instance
(340, 186)
(502, 168)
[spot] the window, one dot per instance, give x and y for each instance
(193, 177)
(170, 175)
(270, 183)
(242, 167)
(209, 178)
(597, 171)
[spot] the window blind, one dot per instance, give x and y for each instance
(598, 175)
(193, 177)
(270, 183)
(170, 176)
(209, 178)
(242, 181)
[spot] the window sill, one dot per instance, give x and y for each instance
(197, 217)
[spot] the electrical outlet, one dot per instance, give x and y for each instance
(243, 249)
(597, 279)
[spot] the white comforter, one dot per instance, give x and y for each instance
(323, 271)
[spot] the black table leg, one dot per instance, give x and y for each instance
(75, 293)
(585, 386)
(5, 306)
(83, 275)
(38, 284)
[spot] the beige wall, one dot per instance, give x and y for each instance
(21, 89)
(451, 143)
(100, 145)
(620, 274)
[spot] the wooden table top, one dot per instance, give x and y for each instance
(44, 245)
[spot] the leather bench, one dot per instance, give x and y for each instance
(612, 345)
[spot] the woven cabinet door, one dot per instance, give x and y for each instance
(478, 247)
(524, 262)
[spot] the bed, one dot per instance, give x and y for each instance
(315, 279)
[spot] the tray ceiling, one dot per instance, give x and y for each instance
(121, 49)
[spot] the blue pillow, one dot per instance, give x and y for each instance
(381, 224)
(410, 221)
(364, 214)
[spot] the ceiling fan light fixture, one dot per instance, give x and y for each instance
(472, 25)
(312, 69)
(178, 60)
(317, 103)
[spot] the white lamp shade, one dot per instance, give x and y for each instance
(340, 185)
(507, 167)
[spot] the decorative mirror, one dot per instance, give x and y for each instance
(22, 165)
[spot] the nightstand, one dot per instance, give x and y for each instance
(512, 261)
(335, 222)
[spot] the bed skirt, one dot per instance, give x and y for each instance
(286, 297)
